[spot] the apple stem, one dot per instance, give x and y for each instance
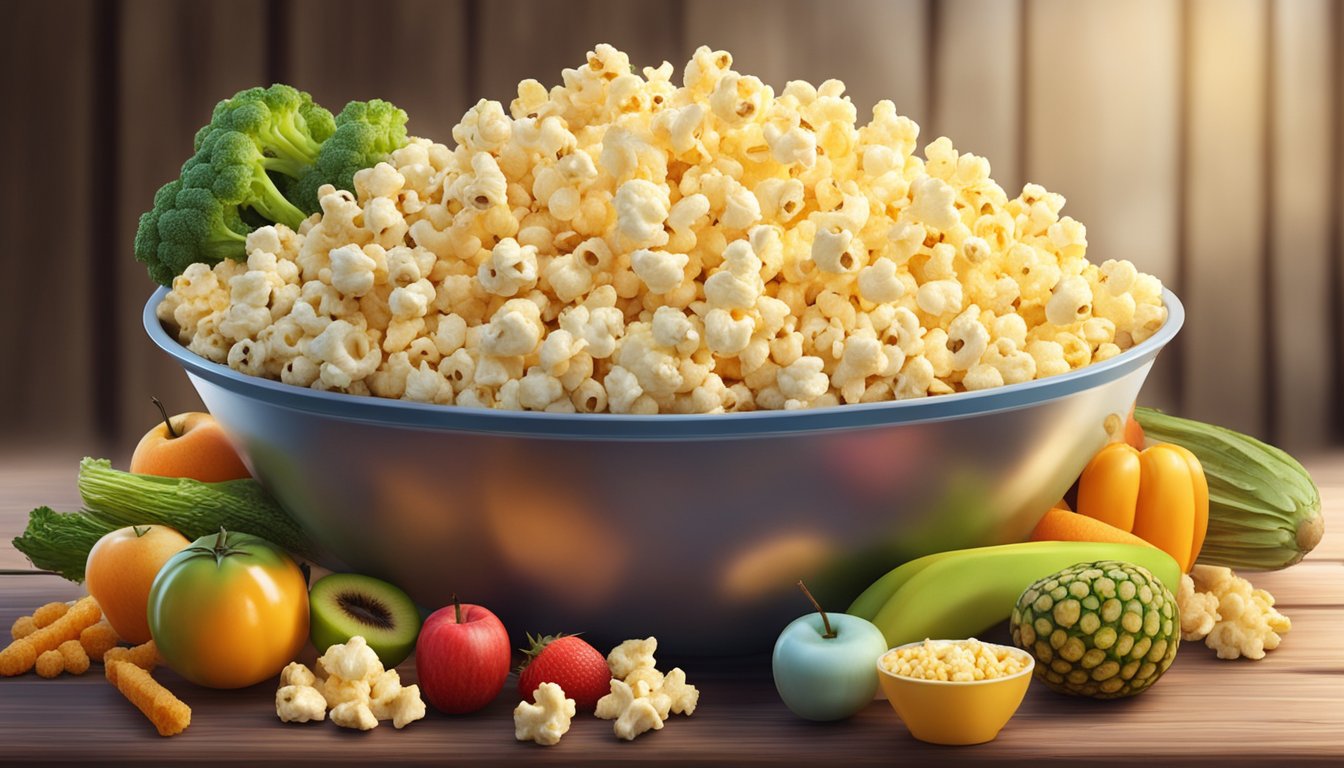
(167, 422)
(825, 621)
(457, 608)
(140, 530)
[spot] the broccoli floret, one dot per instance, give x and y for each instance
(284, 122)
(366, 133)
(319, 120)
(230, 166)
(187, 225)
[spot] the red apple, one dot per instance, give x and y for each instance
(462, 657)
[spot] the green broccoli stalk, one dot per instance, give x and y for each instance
(284, 123)
(185, 226)
(366, 133)
(230, 166)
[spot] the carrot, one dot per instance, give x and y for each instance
(1061, 525)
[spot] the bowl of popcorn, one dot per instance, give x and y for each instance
(633, 351)
(955, 691)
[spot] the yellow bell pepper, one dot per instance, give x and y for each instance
(1159, 494)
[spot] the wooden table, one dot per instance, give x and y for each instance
(1287, 708)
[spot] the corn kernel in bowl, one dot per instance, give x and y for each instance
(957, 661)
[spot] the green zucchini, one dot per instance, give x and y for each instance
(1264, 509)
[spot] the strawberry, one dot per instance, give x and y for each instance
(571, 663)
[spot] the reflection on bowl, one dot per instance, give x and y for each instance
(942, 712)
(692, 528)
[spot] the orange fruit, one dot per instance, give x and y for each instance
(120, 570)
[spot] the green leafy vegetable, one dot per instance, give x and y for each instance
(60, 542)
(53, 541)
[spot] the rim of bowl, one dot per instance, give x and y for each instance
(746, 424)
(1027, 670)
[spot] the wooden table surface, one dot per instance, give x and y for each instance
(1287, 708)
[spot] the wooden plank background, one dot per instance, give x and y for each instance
(1199, 138)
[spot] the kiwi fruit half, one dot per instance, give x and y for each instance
(342, 605)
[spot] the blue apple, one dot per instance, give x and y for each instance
(825, 665)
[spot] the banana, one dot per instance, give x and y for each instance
(968, 591)
(871, 600)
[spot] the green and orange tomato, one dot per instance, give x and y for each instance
(229, 611)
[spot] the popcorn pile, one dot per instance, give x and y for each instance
(358, 690)
(1228, 614)
(642, 698)
(618, 243)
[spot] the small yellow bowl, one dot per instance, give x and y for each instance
(942, 712)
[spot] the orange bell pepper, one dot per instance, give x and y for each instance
(1159, 494)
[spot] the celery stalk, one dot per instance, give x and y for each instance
(60, 542)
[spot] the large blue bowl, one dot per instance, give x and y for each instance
(693, 528)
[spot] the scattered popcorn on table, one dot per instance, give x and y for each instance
(337, 690)
(683, 695)
(642, 698)
(354, 714)
(648, 677)
(959, 662)
(1199, 610)
(351, 660)
(296, 673)
(633, 715)
(545, 721)
(405, 707)
(351, 687)
(632, 655)
(1235, 619)
(299, 704)
(620, 244)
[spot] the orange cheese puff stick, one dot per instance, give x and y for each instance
(50, 664)
(23, 627)
(98, 640)
(44, 616)
(144, 656)
(21, 655)
(18, 658)
(167, 712)
(76, 660)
